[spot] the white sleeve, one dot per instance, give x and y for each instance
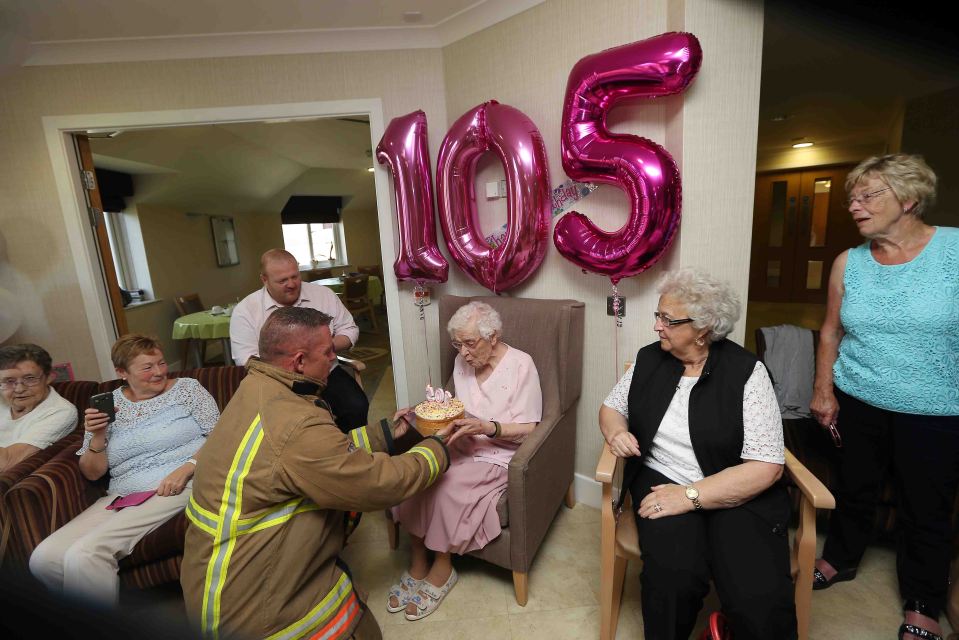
(244, 337)
(618, 398)
(762, 422)
(342, 323)
(50, 426)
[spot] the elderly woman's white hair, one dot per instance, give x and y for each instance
(487, 319)
(711, 303)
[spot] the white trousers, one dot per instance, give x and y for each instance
(82, 557)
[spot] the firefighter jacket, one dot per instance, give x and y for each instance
(273, 484)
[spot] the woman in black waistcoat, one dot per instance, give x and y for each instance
(697, 419)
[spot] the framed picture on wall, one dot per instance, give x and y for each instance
(224, 240)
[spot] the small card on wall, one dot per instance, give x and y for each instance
(63, 372)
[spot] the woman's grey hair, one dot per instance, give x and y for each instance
(487, 319)
(909, 177)
(12, 355)
(711, 303)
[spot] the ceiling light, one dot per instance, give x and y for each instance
(780, 117)
(411, 17)
(802, 145)
(370, 169)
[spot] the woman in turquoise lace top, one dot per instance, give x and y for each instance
(887, 378)
(149, 450)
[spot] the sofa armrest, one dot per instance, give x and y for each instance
(45, 500)
(539, 476)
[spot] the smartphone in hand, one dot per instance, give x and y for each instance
(103, 402)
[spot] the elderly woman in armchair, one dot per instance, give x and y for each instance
(149, 453)
(33, 415)
(500, 388)
(697, 419)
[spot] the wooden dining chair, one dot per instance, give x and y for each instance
(355, 297)
(375, 270)
(619, 538)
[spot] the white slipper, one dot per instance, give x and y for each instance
(428, 598)
(405, 589)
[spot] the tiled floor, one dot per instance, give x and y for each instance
(564, 585)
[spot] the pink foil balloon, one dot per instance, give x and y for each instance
(659, 66)
(405, 148)
(517, 142)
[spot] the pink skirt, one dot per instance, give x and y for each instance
(458, 513)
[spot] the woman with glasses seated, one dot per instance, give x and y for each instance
(499, 386)
(697, 420)
(148, 449)
(887, 379)
(33, 415)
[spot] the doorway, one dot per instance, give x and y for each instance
(800, 226)
(60, 131)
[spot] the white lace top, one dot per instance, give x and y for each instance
(151, 438)
(672, 454)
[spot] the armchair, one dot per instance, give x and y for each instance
(540, 474)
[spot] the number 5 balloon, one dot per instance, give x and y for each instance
(517, 142)
(659, 66)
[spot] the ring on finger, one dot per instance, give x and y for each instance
(658, 507)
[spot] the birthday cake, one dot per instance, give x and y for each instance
(438, 410)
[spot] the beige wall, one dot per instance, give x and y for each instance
(711, 131)
(41, 269)
(181, 258)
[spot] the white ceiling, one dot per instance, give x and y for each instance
(237, 168)
(37, 32)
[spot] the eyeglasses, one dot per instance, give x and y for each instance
(865, 198)
(26, 381)
(670, 322)
(469, 344)
(834, 432)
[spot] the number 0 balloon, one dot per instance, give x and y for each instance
(517, 142)
(659, 66)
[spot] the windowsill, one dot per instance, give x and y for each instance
(145, 303)
(325, 264)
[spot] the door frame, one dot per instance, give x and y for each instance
(59, 130)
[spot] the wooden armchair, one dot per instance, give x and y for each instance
(356, 299)
(540, 475)
(620, 539)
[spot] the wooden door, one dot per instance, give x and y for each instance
(800, 225)
(95, 209)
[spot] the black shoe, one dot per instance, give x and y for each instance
(820, 582)
(922, 608)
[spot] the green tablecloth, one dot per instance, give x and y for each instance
(374, 288)
(201, 325)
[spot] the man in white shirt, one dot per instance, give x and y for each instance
(33, 415)
(282, 287)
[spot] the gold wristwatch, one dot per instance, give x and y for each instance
(693, 494)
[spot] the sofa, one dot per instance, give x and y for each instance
(47, 490)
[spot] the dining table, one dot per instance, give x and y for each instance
(374, 288)
(203, 325)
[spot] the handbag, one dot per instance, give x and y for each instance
(717, 628)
